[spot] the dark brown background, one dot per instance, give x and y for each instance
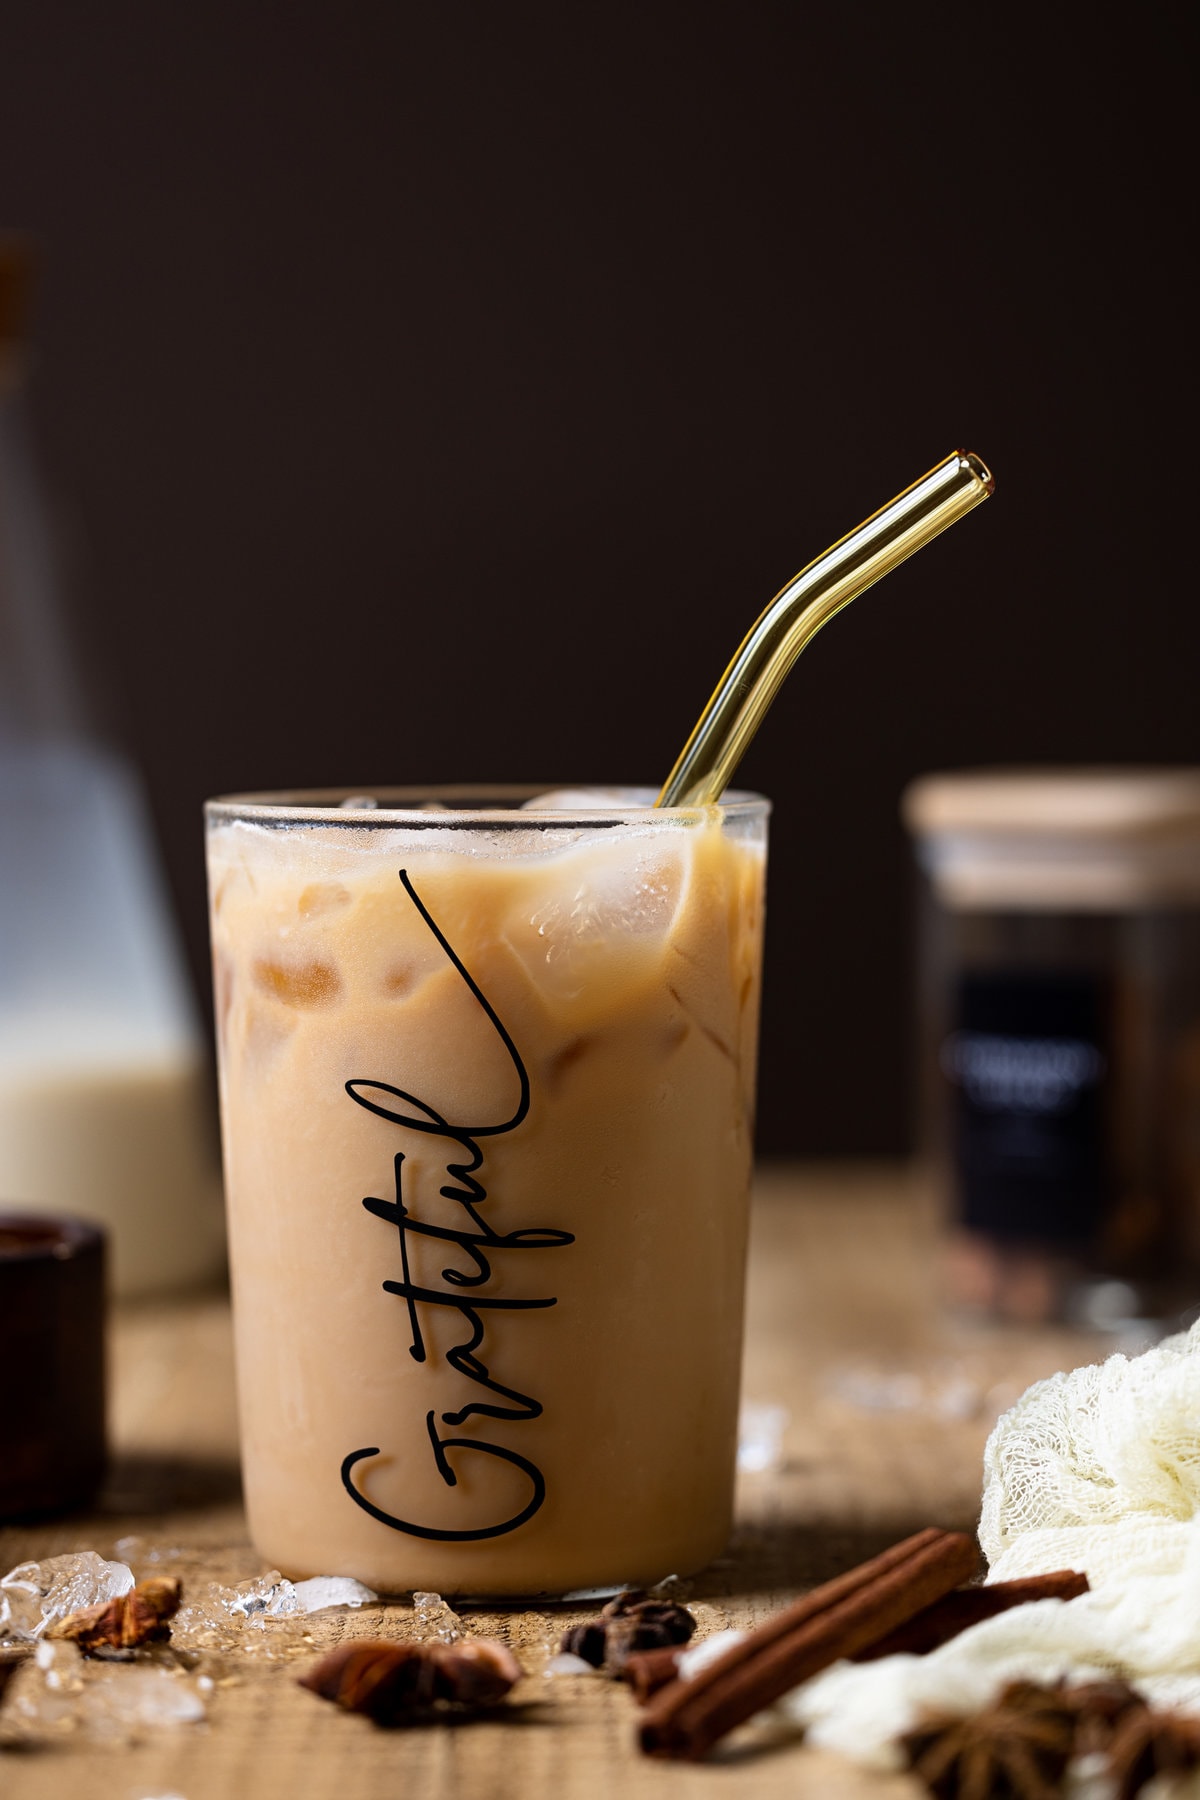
(440, 392)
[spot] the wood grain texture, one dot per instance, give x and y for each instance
(889, 1402)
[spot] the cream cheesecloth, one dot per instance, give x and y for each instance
(1097, 1469)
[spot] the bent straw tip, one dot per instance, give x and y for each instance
(979, 469)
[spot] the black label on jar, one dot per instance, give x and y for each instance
(1028, 1072)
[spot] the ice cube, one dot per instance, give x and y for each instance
(597, 799)
(298, 984)
(123, 1703)
(878, 1390)
(226, 1618)
(434, 1619)
(320, 1591)
(401, 979)
(266, 1030)
(956, 1395)
(66, 1695)
(699, 1656)
(322, 897)
(567, 1664)
(760, 1437)
(45, 1701)
(33, 1594)
(273, 1595)
(139, 1551)
(613, 903)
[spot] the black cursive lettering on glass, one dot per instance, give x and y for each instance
(463, 1292)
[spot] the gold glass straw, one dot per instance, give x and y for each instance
(799, 610)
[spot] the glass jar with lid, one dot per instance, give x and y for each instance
(1058, 957)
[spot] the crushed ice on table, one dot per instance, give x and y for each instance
(322, 1591)
(760, 1437)
(61, 1693)
(434, 1620)
(272, 1595)
(699, 1656)
(136, 1551)
(34, 1594)
(59, 1662)
(948, 1391)
(223, 1618)
(276, 1597)
(1113, 1307)
(121, 1704)
(565, 1663)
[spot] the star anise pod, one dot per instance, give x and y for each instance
(399, 1683)
(1100, 1707)
(589, 1641)
(1148, 1743)
(1017, 1748)
(138, 1617)
(630, 1622)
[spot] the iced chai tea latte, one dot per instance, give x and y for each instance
(487, 1082)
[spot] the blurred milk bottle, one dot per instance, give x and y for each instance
(104, 1106)
(1059, 990)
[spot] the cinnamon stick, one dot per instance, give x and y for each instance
(968, 1606)
(646, 1671)
(686, 1718)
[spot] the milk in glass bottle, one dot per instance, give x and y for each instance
(104, 1105)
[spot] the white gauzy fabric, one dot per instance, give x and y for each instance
(1103, 1446)
(1097, 1469)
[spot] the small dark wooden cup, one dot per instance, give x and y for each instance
(52, 1363)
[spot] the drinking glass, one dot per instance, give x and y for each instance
(487, 1066)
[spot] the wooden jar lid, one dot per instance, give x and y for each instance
(1059, 838)
(1129, 804)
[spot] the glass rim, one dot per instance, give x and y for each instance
(461, 805)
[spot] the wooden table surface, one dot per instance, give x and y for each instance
(888, 1404)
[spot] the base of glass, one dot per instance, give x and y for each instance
(536, 1602)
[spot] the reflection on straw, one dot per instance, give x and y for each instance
(798, 612)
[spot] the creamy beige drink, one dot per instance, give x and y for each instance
(487, 1087)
